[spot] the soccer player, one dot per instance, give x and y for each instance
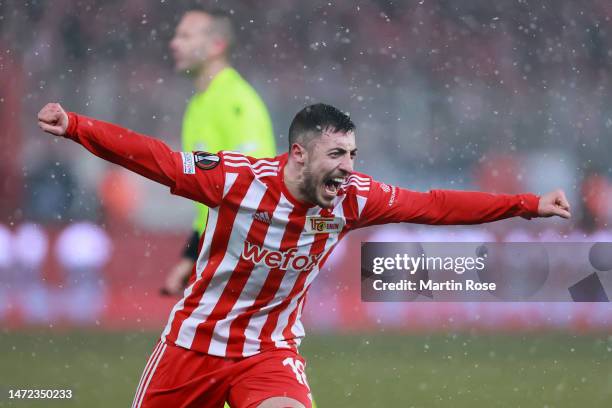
(225, 113)
(272, 224)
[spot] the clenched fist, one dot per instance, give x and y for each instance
(554, 203)
(53, 119)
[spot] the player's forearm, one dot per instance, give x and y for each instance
(446, 207)
(139, 153)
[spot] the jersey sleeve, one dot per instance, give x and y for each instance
(203, 174)
(392, 204)
(150, 158)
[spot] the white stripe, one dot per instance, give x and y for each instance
(223, 272)
(262, 161)
(264, 168)
(280, 218)
(270, 173)
(233, 155)
(236, 159)
(230, 179)
(145, 373)
(272, 241)
(230, 164)
(358, 182)
(260, 173)
(298, 328)
(361, 202)
(357, 187)
(283, 319)
(258, 320)
(211, 224)
(144, 390)
(354, 183)
(360, 178)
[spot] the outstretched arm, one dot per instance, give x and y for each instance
(388, 204)
(142, 154)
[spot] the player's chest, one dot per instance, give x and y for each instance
(269, 218)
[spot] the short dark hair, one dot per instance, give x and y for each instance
(222, 24)
(311, 121)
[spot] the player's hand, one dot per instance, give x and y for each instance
(554, 203)
(176, 281)
(53, 119)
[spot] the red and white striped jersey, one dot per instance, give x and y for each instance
(262, 248)
(259, 255)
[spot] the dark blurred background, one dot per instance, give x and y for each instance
(501, 96)
(496, 96)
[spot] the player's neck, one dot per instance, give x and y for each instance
(292, 178)
(209, 72)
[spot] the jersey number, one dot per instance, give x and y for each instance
(298, 369)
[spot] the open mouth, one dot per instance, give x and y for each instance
(332, 185)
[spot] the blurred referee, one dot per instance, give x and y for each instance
(225, 113)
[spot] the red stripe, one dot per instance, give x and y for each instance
(351, 215)
(317, 247)
(297, 219)
(238, 326)
(233, 155)
(239, 277)
(287, 333)
(225, 221)
(350, 210)
(265, 337)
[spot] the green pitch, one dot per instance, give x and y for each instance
(361, 370)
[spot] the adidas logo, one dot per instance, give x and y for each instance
(263, 216)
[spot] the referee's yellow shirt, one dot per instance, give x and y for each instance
(228, 115)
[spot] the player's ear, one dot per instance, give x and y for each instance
(298, 153)
(220, 46)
